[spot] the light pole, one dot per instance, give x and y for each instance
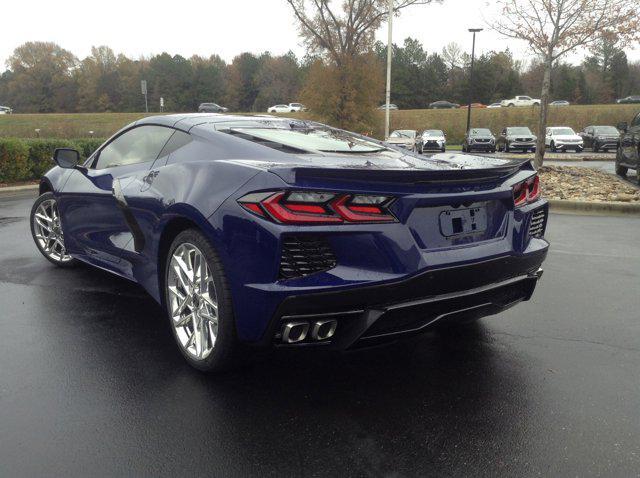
(473, 54)
(389, 45)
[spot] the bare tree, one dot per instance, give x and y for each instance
(342, 33)
(452, 55)
(553, 28)
(345, 28)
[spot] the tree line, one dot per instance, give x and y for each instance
(44, 77)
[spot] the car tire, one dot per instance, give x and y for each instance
(207, 343)
(579, 149)
(553, 147)
(536, 104)
(510, 105)
(493, 150)
(596, 147)
(46, 231)
(443, 150)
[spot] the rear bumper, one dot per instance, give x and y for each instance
(368, 315)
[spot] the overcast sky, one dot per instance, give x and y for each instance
(225, 27)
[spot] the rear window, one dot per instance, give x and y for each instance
(301, 137)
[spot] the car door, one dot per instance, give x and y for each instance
(96, 228)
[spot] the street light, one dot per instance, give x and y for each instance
(473, 53)
(388, 93)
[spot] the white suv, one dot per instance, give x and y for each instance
(521, 101)
(5, 110)
(562, 138)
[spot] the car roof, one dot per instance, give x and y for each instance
(187, 121)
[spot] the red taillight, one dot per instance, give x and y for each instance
(527, 191)
(301, 207)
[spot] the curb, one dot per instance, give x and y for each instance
(595, 208)
(11, 189)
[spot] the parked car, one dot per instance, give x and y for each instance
(559, 103)
(479, 139)
(279, 249)
(391, 107)
(629, 100)
(520, 101)
(443, 105)
(290, 108)
(473, 105)
(495, 105)
(600, 138)
(516, 137)
(404, 138)
(211, 108)
(563, 138)
(432, 140)
(298, 107)
(628, 152)
(5, 110)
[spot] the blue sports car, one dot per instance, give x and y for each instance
(287, 233)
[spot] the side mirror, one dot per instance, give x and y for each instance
(66, 157)
(623, 126)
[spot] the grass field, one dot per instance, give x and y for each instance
(453, 122)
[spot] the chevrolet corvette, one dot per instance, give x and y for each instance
(274, 232)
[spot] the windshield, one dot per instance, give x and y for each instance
(403, 133)
(519, 130)
(433, 132)
(606, 130)
(563, 131)
(480, 132)
(300, 137)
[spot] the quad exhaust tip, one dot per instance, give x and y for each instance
(296, 332)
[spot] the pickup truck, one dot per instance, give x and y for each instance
(521, 101)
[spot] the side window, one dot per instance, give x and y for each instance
(137, 145)
(177, 141)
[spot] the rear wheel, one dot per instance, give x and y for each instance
(198, 303)
(46, 230)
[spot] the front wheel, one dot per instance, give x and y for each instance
(46, 230)
(198, 303)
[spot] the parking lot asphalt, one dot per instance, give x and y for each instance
(91, 383)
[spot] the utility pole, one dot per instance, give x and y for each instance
(389, 45)
(473, 53)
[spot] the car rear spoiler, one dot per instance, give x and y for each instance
(296, 175)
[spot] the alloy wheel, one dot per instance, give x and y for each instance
(48, 231)
(193, 301)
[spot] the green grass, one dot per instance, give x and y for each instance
(453, 122)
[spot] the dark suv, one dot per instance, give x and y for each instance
(628, 154)
(479, 139)
(600, 138)
(211, 108)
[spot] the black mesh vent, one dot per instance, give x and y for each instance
(304, 255)
(538, 223)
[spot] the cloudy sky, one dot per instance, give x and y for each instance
(225, 27)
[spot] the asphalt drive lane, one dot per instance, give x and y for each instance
(92, 384)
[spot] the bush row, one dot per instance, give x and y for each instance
(28, 159)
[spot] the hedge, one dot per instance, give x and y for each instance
(29, 159)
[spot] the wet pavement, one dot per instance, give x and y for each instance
(92, 385)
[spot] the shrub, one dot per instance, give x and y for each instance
(14, 160)
(29, 159)
(41, 152)
(87, 146)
